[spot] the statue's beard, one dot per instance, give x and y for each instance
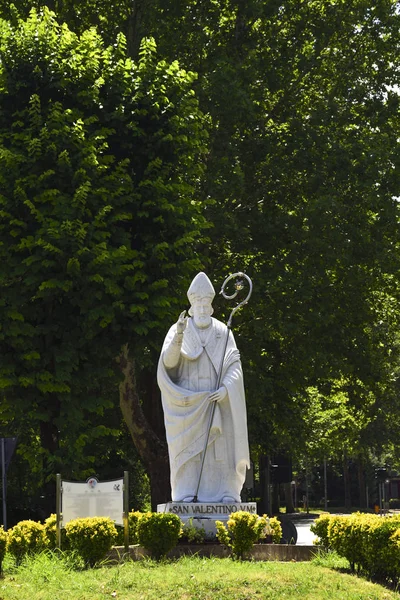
(202, 322)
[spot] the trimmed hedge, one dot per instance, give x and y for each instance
(243, 530)
(91, 537)
(274, 529)
(26, 537)
(50, 530)
(371, 543)
(320, 529)
(158, 532)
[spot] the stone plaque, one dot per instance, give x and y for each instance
(214, 510)
(92, 499)
(204, 514)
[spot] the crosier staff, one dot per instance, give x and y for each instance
(239, 285)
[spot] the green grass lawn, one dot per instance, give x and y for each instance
(49, 578)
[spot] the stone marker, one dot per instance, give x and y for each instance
(204, 514)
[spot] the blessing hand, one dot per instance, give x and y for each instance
(218, 395)
(181, 323)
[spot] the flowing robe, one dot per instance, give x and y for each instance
(185, 390)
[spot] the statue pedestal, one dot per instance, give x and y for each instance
(204, 514)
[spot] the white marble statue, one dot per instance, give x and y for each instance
(187, 376)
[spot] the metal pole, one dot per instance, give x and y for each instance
(4, 482)
(239, 287)
(307, 497)
(58, 510)
(325, 487)
(268, 485)
(126, 511)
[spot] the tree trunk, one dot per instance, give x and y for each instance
(49, 441)
(264, 506)
(361, 482)
(152, 449)
(288, 497)
(346, 479)
(275, 499)
(136, 25)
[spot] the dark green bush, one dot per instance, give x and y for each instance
(158, 532)
(193, 534)
(91, 537)
(120, 539)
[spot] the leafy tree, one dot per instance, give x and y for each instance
(303, 169)
(99, 161)
(302, 174)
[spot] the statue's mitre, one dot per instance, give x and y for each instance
(201, 287)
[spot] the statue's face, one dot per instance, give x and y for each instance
(201, 312)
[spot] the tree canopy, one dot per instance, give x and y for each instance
(99, 161)
(108, 185)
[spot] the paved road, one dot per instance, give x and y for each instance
(304, 535)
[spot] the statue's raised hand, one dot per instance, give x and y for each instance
(181, 323)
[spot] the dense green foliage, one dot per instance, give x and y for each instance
(91, 537)
(300, 182)
(192, 534)
(304, 168)
(97, 154)
(158, 532)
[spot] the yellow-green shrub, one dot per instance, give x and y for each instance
(382, 548)
(158, 532)
(242, 531)
(50, 529)
(275, 528)
(133, 518)
(26, 537)
(394, 561)
(344, 534)
(320, 529)
(3, 546)
(91, 537)
(369, 542)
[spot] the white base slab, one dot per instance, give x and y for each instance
(204, 514)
